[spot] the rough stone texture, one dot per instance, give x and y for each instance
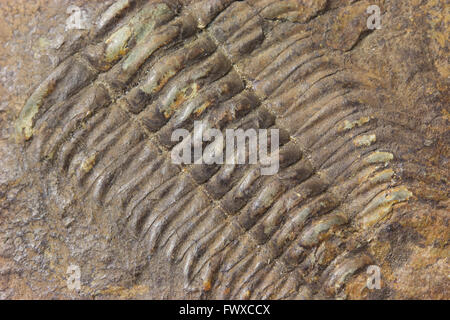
(87, 180)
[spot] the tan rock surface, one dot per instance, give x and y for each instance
(45, 228)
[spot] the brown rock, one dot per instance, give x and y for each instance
(86, 178)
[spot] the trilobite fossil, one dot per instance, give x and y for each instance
(99, 129)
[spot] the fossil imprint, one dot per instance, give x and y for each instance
(103, 121)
